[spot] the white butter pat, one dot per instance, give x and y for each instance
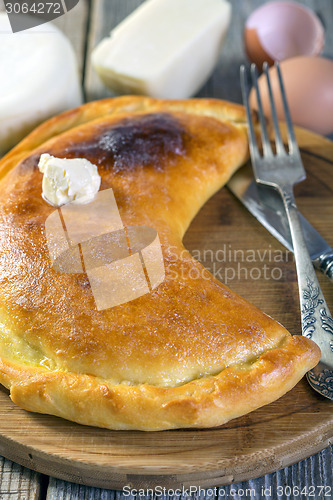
(39, 79)
(165, 48)
(68, 180)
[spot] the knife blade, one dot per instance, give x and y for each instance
(244, 187)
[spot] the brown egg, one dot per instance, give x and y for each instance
(309, 87)
(281, 30)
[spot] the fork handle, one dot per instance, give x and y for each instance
(317, 322)
(325, 264)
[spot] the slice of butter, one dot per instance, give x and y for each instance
(39, 78)
(68, 180)
(165, 48)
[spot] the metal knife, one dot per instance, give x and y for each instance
(244, 187)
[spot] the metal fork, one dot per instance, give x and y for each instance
(281, 171)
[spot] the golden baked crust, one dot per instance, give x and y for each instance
(189, 354)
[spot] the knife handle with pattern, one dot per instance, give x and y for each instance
(325, 264)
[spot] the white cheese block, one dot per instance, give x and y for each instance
(39, 78)
(165, 48)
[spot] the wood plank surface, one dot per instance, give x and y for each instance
(75, 25)
(19, 482)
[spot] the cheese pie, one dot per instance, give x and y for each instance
(190, 353)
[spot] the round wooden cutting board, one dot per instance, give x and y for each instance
(240, 252)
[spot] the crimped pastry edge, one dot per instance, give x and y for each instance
(207, 402)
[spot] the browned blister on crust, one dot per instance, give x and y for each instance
(191, 353)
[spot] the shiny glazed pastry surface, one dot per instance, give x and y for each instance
(191, 353)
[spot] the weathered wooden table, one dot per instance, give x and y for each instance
(85, 25)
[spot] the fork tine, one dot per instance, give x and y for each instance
(278, 140)
(264, 134)
(293, 147)
(245, 93)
